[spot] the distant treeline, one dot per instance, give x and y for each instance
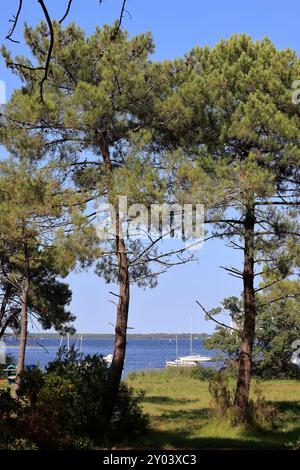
(167, 336)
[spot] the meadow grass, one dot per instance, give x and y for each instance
(181, 416)
(179, 407)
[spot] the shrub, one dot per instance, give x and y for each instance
(8, 406)
(64, 407)
(293, 445)
(32, 381)
(83, 443)
(221, 394)
(90, 376)
(203, 373)
(128, 419)
(22, 444)
(52, 422)
(263, 414)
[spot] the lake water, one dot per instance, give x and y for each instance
(140, 353)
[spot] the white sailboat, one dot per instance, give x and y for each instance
(108, 359)
(188, 361)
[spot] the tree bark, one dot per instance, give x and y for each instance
(241, 400)
(117, 364)
(24, 322)
(4, 303)
(116, 368)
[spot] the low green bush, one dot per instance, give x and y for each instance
(221, 395)
(22, 444)
(261, 414)
(203, 373)
(64, 406)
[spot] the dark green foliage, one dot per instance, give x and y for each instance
(261, 414)
(203, 373)
(22, 444)
(221, 394)
(90, 376)
(52, 422)
(7, 405)
(30, 219)
(64, 407)
(278, 326)
(32, 381)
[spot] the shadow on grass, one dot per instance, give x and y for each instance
(184, 423)
(167, 400)
(289, 406)
(187, 415)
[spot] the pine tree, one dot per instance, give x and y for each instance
(240, 155)
(277, 327)
(32, 212)
(95, 124)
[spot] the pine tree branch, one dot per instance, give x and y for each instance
(216, 321)
(268, 285)
(67, 12)
(15, 22)
(47, 64)
(119, 24)
(283, 297)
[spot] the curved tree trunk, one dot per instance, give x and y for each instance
(117, 364)
(116, 368)
(5, 300)
(23, 335)
(24, 323)
(245, 361)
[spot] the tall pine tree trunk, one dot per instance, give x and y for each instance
(116, 368)
(117, 364)
(245, 360)
(24, 323)
(5, 300)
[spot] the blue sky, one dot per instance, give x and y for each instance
(176, 26)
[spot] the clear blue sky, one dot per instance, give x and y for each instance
(176, 26)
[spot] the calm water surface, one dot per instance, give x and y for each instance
(140, 354)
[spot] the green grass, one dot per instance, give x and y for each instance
(181, 415)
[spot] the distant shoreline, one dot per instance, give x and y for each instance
(166, 336)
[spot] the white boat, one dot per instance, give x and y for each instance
(197, 358)
(296, 359)
(108, 359)
(189, 361)
(178, 363)
(192, 360)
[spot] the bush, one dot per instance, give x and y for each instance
(51, 423)
(8, 406)
(263, 414)
(128, 419)
(293, 445)
(22, 444)
(32, 381)
(267, 370)
(64, 407)
(221, 394)
(203, 373)
(90, 376)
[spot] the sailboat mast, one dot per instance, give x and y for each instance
(191, 337)
(176, 348)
